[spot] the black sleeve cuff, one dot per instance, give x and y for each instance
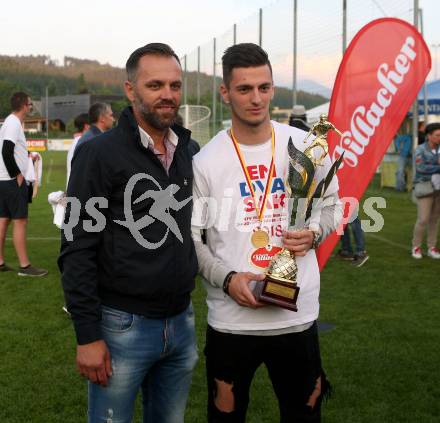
(87, 332)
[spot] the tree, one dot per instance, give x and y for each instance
(119, 105)
(6, 91)
(52, 88)
(81, 85)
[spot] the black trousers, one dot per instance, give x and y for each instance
(292, 360)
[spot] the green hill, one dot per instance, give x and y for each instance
(34, 73)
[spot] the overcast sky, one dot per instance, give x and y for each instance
(109, 30)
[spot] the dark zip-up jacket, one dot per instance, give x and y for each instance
(92, 132)
(107, 265)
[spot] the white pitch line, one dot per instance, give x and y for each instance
(387, 241)
(49, 172)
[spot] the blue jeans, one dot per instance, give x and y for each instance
(156, 356)
(359, 237)
(402, 162)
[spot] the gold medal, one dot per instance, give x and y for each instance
(259, 238)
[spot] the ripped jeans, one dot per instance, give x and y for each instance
(294, 365)
(156, 356)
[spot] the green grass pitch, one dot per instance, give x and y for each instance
(382, 356)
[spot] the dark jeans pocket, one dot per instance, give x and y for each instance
(116, 320)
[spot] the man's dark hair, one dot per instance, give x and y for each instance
(96, 110)
(18, 100)
(158, 49)
(432, 127)
(81, 121)
(245, 55)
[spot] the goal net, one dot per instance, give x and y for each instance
(196, 119)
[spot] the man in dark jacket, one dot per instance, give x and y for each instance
(127, 258)
(100, 119)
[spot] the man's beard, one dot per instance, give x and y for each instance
(153, 118)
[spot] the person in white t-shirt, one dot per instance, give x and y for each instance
(81, 124)
(242, 334)
(14, 192)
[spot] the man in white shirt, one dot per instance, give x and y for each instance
(239, 190)
(13, 187)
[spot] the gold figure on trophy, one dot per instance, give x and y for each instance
(280, 287)
(321, 129)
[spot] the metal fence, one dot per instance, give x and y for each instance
(322, 30)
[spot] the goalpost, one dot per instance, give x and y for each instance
(196, 119)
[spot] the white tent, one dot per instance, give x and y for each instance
(313, 114)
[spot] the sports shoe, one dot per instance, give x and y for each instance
(345, 255)
(32, 271)
(5, 268)
(434, 253)
(360, 259)
(417, 253)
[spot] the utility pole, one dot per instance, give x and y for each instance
(260, 31)
(214, 89)
(415, 117)
(344, 26)
(294, 51)
(435, 47)
(198, 75)
(47, 113)
(185, 82)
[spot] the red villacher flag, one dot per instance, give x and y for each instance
(378, 80)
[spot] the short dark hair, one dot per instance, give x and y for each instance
(430, 128)
(96, 110)
(158, 49)
(18, 100)
(81, 121)
(244, 55)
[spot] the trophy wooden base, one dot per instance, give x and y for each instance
(278, 293)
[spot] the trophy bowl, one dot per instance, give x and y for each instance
(279, 287)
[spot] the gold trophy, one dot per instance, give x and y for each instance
(280, 287)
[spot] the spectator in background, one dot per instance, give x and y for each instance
(421, 133)
(14, 191)
(100, 119)
(359, 257)
(81, 124)
(298, 118)
(403, 145)
(427, 173)
(193, 145)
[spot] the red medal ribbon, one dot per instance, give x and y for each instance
(260, 212)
